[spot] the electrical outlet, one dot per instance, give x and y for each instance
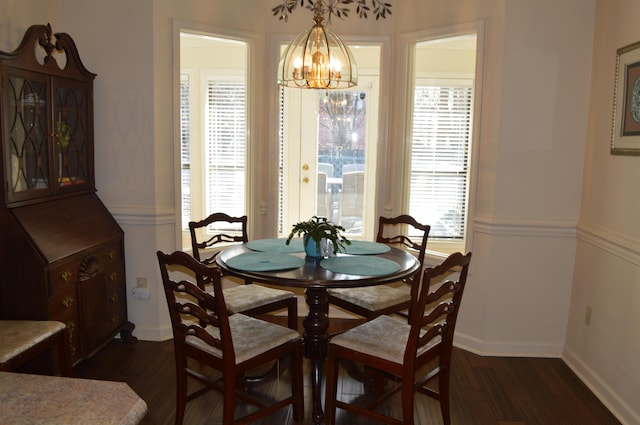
(141, 294)
(587, 316)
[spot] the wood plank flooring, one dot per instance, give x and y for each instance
(484, 390)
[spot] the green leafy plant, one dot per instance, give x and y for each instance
(335, 8)
(63, 134)
(320, 227)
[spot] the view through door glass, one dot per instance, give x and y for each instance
(328, 152)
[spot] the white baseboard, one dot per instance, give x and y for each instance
(502, 349)
(621, 410)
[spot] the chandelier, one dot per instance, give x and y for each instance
(317, 59)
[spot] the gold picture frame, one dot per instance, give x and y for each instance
(625, 138)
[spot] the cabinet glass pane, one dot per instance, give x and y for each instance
(71, 136)
(26, 122)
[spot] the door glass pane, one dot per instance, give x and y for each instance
(341, 156)
(328, 152)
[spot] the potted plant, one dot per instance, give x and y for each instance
(316, 229)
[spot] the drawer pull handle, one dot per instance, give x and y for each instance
(67, 302)
(115, 318)
(113, 276)
(66, 275)
(112, 254)
(71, 325)
(115, 298)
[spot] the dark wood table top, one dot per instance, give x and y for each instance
(312, 275)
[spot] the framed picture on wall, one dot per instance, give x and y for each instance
(625, 139)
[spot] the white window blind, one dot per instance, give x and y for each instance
(185, 160)
(442, 116)
(225, 146)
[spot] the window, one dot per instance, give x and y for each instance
(225, 125)
(185, 157)
(441, 133)
(439, 161)
(213, 119)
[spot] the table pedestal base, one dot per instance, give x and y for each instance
(316, 337)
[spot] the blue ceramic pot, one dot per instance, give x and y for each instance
(310, 247)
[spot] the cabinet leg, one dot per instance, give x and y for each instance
(126, 333)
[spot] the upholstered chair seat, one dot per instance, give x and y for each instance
(23, 340)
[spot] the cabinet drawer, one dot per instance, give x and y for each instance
(64, 308)
(117, 302)
(63, 278)
(63, 304)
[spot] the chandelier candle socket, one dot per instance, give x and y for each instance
(316, 57)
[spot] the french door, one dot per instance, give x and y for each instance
(328, 156)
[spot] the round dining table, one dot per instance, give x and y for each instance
(274, 262)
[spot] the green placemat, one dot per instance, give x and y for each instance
(276, 245)
(366, 248)
(360, 265)
(262, 262)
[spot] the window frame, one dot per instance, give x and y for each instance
(437, 249)
(250, 40)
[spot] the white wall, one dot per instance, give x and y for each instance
(607, 267)
(544, 99)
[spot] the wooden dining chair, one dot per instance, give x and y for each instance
(22, 341)
(250, 299)
(415, 353)
(373, 301)
(206, 336)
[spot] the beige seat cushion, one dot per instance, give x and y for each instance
(17, 336)
(373, 298)
(384, 337)
(250, 336)
(243, 297)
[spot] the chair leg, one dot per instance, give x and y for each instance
(297, 388)
(408, 396)
(443, 388)
(331, 388)
(229, 402)
(64, 363)
(292, 312)
(181, 392)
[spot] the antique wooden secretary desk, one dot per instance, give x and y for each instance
(61, 251)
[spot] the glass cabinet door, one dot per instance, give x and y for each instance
(47, 135)
(71, 133)
(26, 147)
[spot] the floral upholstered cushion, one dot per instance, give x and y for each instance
(17, 336)
(372, 298)
(250, 336)
(243, 297)
(384, 337)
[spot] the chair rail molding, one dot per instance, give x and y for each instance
(607, 240)
(143, 216)
(515, 226)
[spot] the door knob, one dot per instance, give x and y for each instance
(305, 167)
(305, 180)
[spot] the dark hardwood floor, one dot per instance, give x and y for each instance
(484, 390)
